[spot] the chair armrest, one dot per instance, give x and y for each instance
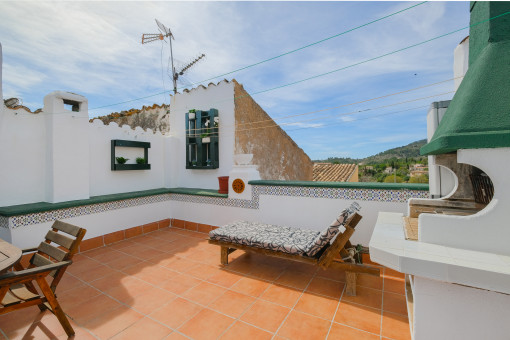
(29, 250)
(18, 275)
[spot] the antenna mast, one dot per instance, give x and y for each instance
(166, 33)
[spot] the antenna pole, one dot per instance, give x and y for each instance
(174, 75)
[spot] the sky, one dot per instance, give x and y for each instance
(94, 49)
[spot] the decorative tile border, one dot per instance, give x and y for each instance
(381, 195)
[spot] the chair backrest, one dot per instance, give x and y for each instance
(339, 242)
(67, 237)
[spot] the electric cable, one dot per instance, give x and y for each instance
(342, 68)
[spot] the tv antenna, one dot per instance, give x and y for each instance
(166, 33)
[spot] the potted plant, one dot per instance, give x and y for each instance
(205, 138)
(194, 162)
(191, 114)
(140, 160)
(121, 160)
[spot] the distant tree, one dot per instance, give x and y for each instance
(419, 179)
(393, 179)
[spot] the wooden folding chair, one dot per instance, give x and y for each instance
(337, 255)
(17, 289)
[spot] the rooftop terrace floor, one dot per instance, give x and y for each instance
(169, 284)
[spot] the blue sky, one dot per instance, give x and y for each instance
(93, 49)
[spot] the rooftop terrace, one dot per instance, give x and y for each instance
(168, 284)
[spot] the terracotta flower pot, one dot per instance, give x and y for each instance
(223, 181)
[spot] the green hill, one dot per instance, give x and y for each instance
(411, 150)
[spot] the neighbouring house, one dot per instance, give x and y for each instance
(154, 117)
(388, 170)
(416, 173)
(275, 153)
(329, 172)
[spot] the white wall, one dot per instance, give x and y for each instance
(220, 97)
(95, 224)
(105, 181)
(300, 212)
(23, 154)
(449, 311)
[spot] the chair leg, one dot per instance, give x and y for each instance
(224, 255)
(55, 306)
(350, 288)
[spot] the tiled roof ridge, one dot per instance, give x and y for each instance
(23, 107)
(132, 111)
(204, 87)
(329, 172)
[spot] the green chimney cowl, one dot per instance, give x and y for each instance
(479, 113)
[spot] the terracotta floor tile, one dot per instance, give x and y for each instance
(232, 303)
(304, 326)
(147, 253)
(127, 289)
(370, 281)
(108, 281)
(282, 295)
(294, 279)
(395, 326)
(394, 285)
(207, 324)
(12, 323)
(265, 315)
(365, 296)
(175, 313)
(225, 278)
(144, 329)
(176, 335)
(156, 275)
(180, 283)
(241, 330)
(341, 332)
(37, 326)
(91, 309)
(151, 300)
(358, 316)
(103, 254)
(94, 273)
(395, 303)
(76, 296)
(267, 272)
(123, 261)
(113, 322)
(81, 264)
(301, 267)
(251, 287)
(333, 274)
(204, 293)
(203, 271)
(318, 305)
(180, 264)
(80, 333)
(326, 287)
(67, 282)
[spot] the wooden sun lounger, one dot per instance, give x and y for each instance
(327, 260)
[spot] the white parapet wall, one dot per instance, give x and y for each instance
(221, 98)
(104, 181)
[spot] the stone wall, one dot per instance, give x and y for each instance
(276, 154)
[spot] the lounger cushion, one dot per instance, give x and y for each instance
(326, 236)
(267, 236)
